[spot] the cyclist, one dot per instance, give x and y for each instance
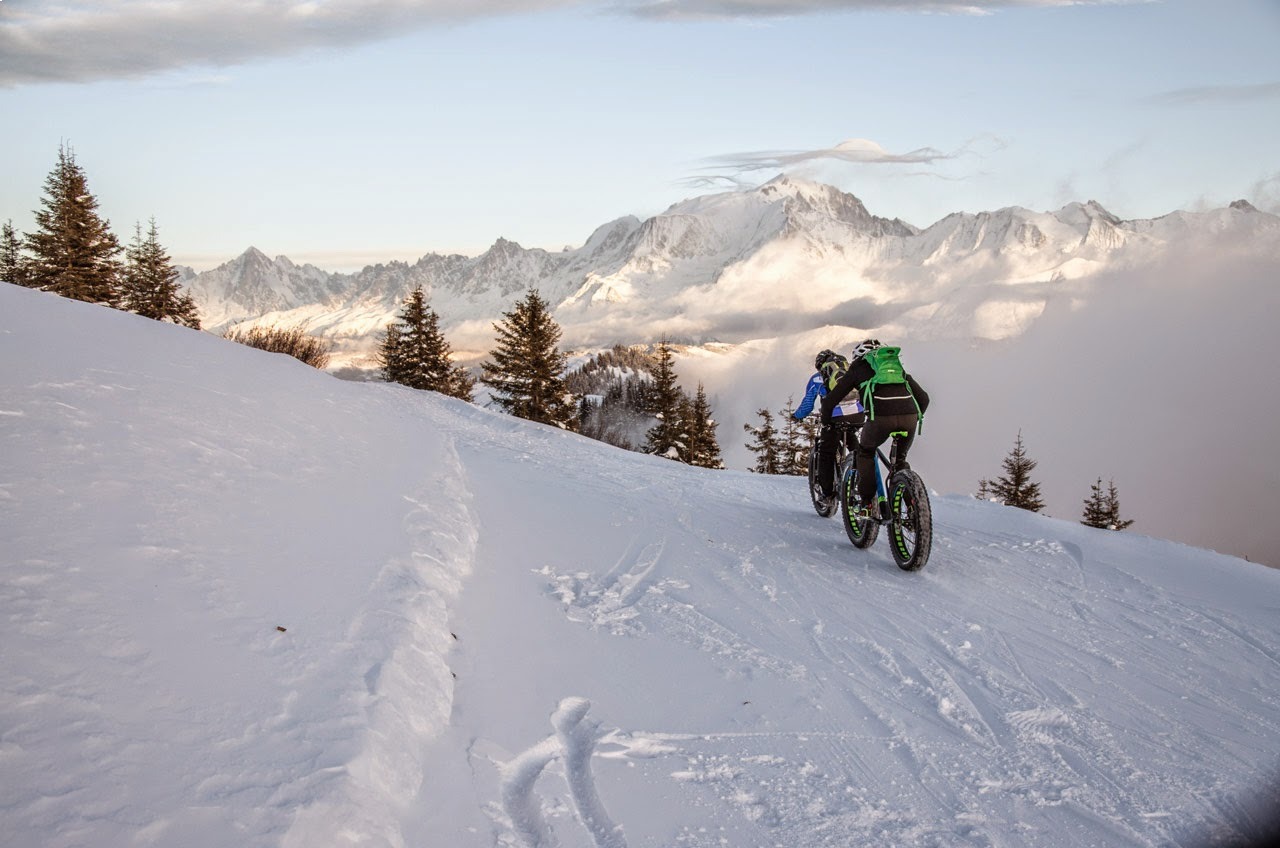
(846, 417)
(897, 407)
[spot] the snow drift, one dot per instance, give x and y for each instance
(244, 603)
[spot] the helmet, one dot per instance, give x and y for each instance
(864, 347)
(823, 357)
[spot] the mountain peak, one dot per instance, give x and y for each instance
(807, 200)
(786, 184)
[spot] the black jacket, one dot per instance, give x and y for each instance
(889, 400)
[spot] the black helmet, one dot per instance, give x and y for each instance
(822, 357)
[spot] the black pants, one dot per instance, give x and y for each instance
(873, 435)
(828, 440)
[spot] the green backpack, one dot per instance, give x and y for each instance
(833, 369)
(888, 370)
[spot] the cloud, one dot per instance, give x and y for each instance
(723, 9)
(1218, 94)
(1266, 194)
(84, 40)
(732, 168)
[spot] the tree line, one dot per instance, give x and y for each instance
(1015, 487)
(527, 376)
(74, 253)
(784, 449)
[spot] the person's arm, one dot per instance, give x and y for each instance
(810, 395)
(918, 392)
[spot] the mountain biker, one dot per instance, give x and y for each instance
(846, 418)
(897, 407)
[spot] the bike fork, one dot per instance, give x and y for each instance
(880, 495)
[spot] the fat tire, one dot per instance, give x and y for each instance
(911, 521)
(861, 532)
(824, 508)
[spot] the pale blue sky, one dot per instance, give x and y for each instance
(340, 136)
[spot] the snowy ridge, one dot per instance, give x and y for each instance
(409, 688)
(732, 267)
(646, 654)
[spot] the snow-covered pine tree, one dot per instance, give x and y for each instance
(12, 263)
(526, 372)
(150, 282)
(704, 449)
(415, 353)
(1015, 487)
(668, 437)
(764, 444)
(73, 251)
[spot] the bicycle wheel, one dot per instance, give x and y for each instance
(910, 521)
(820, 505)
(862, 532)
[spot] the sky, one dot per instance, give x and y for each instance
(344, 133)
(245, 603)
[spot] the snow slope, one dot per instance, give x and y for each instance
(243, 603)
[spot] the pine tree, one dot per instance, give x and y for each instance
(1096, 513)
(1113, 507)
(1014, 487)
(415, 353)
(12, 263)
(1102, 509)
(526, 373)
(704, 449)
(73, 251)
(793, 442)
(150, 282)
(388, 354)
(764, 444)
(668, 437)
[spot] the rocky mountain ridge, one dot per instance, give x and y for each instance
(788, 256)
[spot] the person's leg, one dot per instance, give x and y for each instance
(827, 437)
(909, 424)
(870, 437)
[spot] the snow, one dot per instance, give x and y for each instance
(245, 603)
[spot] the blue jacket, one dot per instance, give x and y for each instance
(817, 388)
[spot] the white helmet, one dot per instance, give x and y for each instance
(862, 348)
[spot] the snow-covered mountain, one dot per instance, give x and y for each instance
(244, 603)
(788, 256)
